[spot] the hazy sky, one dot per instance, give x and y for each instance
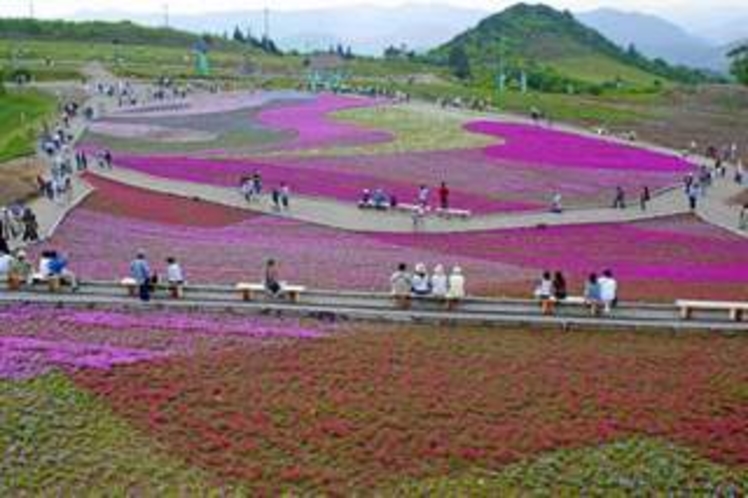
(61, 8)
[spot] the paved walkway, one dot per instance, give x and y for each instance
(379, 307)
(346, 216)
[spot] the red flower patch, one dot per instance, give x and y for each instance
(363, 411)
(129, 202)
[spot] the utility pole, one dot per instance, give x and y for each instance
(31, 9)
(166, 15)
(267, 22)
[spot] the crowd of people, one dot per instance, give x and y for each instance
(405, 284)
(600, 292)
(251, 188)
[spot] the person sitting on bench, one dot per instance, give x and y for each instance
(272, 281)
(58, 268)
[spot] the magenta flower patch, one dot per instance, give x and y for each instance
(30, 346)
(338, 185)
(536, 145)
(315, 128)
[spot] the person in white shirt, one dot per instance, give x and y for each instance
(439, 282)
(608, 290)
(174, 277)
(544, 292)
(456, 287)
(421, 284)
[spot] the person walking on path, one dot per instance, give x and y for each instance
(693, 196)
(644, 198)
(619, 202)
(423, 196)
(444, 196)
(276, 197)
(140, 271)
(285, 196)
(557, 203)
(30, 226)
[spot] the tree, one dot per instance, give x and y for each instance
(459, 62)
(739, 68)
(238, 35)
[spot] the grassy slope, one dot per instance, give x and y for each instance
(20, 116)
(56, 440)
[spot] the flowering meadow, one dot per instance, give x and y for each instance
(373, 409)
(334, 146)
(658, 260)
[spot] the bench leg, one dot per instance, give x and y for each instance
(246, 295)
(736, 315)
(686, 313)
(293, 297)
(131, 290)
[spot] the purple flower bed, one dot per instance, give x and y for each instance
(537, 145)
(101, 245)
(315, 129)
(472, 172)
(218, 103)
(310, 181)
(665, 259)
(34, 340)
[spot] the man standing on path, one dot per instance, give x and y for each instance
(444, 196)
(141, 272)
(693, 196)
(620, 200)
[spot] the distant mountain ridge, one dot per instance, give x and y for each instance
(367, 29)
(656, 38)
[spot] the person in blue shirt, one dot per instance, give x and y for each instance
(58, 267)
(141, 272)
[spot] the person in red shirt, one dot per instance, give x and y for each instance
(444, 196)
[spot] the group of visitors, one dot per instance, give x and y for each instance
(439, 284)
(18, 270)
(147, 280)
(377, 199)
(18, 223)
(251, 189)
(600, 293)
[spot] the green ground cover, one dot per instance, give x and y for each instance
(636, 467)
(21, 114)
(415, 130)
(56, 440)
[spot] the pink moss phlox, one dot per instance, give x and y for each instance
(534, 144)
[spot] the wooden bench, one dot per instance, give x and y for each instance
(735, 309)
(248, 291)
(454, 213)
(409, 208)
(54, 283)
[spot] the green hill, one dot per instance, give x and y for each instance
(555, 51)
(124, 33)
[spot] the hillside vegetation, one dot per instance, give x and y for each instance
(556, 52)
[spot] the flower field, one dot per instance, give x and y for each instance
(655, 260)
(370, 408)
(334, 146)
